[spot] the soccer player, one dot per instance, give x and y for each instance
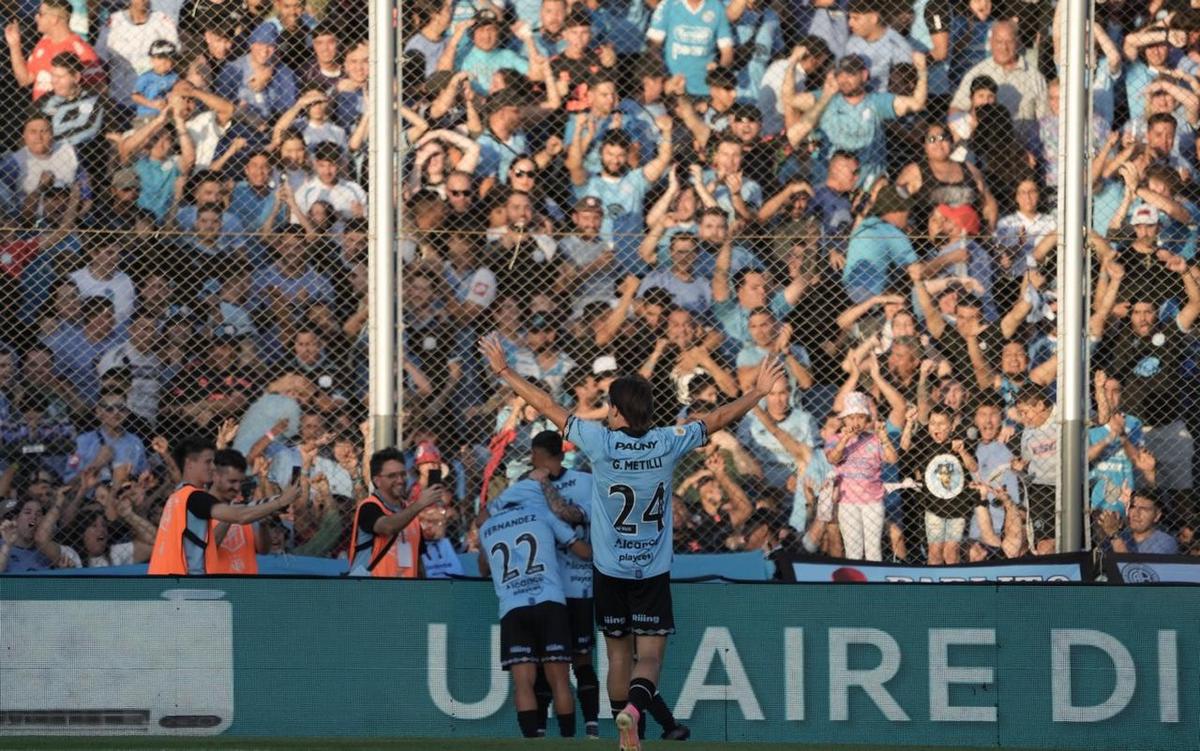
(575, 489)
(517, 540)
(633, 465)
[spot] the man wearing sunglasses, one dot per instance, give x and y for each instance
(118, 454)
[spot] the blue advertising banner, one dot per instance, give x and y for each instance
(1056, 568)
(1154, 569)
(1013, 666)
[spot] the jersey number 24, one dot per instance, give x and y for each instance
(652, 514)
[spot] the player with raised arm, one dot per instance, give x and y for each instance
(518, 537)
(633, 465)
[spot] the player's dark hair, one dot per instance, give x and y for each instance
(383, 456)
(190, 446)
(634, 399)
(231, 459)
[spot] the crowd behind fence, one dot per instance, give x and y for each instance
(866, 189)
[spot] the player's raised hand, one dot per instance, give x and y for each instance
(490, 348)
(770, 371)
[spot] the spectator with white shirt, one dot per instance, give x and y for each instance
(102, 277)
(39, 163)
(347, 198)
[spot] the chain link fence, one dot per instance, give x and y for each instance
(677, 189)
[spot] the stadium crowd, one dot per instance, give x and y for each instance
(682, 188)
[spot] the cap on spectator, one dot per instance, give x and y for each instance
(984, 83)
(1145, 214)
(485, 17)
(265, 33)
(427, 453)
(853, 64)
(163, 48)
(964, 217)
(126, 178)
(604, 364)
(890, 201)
(579, 16)
(721, 78)
(549, 441)
(589, 203)
(745, 111)
(650, 66)
(855, 403)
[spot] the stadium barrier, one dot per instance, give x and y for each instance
(1068, 666)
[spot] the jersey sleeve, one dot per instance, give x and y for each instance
(588, 435)
(688, 436)
(200, 505)
(564, 534)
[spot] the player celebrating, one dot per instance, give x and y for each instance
(633, 464)
(516, 543)
(575, 488)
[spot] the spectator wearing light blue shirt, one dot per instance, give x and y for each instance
(778, 465)
(503, 140)
(688, 291)
(621, 190)
(758, 30)
(854, 119)
(732, 308)
(878, 44)
(78, 347)
(236, 81)
(1143, 535)
(879, 247)
(126, 455)
(487, 56)
(769, 339)
(691, 34)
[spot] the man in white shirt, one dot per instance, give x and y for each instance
(1021, 89)
(125, 41)
(145, 367)
(40, 163)
(101, 278)
(347, 198)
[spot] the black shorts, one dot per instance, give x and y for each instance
(633, 606)
(535, 633)
(583, 624)
(1043, 508)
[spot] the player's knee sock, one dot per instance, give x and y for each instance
(617, 705)
(662, 714)
(566, 725)
(641, 695)
(529, 723)
(588, 690)
(541, 690)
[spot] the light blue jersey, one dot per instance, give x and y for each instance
(576, 489)
(631, 493)
(520, 539)
(690, 38)
(624, 218)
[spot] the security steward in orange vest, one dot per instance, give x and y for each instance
(183, 532)
(232, 547)
(385, 539)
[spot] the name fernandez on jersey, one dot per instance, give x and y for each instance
(631, 493)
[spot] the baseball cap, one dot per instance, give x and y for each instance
(851, 64)
(589, 203)
(721, 78)
(604, 364)
(855, 403)
(126, 178)
(964, 217)
(486, 17)
(264, 33)
(548, 441)
(891, 200)
(163, 48)
(427, 453)
(1144, 214)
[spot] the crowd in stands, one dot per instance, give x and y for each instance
(677, 188)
